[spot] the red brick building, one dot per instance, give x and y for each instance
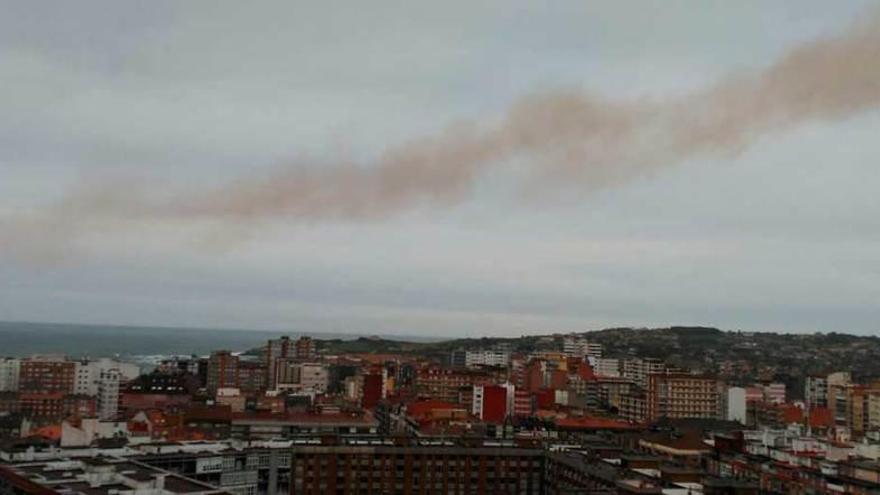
(46, 375)
(372, 392)
(223, 370)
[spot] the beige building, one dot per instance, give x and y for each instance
(682, 395)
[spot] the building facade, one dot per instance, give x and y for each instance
(682, 395)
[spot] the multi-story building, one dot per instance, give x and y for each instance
(157, 391)
(9, 371)
(98, 476)
(223, 369)
(55, 405)
(633, 406)
(458, 358)
(305, 349)
(839, 397)
(736, 405)
(873, 407)
(345, 469)
(816, 391)
(609, 367)
(108, 393)
(372, 389)
(682, 395)
(91, 373)
(276, 349)
(611, 389)
(490, 357)
(314, 377)
(47, 374)
(293, 375)
(574, 346)
(281, 351)
(638, 369)
(774, 393)
(251, 377)
(490, 403)
(445, 383)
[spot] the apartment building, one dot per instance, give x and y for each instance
(445, 383)
(9, 374)
(223, 371)
(609, 367)
(345, 469)
(638, 369)
(682, 395)
(47, 374)
(574, 346)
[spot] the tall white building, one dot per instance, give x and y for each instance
(736, 404)
(102, 379)
(108, 393)
(9, 369)
(88, 374)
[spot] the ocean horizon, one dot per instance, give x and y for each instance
(19, 339)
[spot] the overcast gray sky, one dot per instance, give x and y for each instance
(781, 234)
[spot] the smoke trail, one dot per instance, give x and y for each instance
(566, 138)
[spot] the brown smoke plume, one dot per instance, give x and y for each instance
(566, 138)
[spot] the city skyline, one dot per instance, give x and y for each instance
(130, 132)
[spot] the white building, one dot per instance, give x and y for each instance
(89, 373)
(295, 376)
(487, 358)
(638, 369)
(9, 369)
(606, 366)
(314, 377)
(575, 346)
(736, 404)
(108, 393)
(102, 378)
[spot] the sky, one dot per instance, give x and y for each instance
(159, 162)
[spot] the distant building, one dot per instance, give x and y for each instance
(638, 369)
(157, 391)
(305, 349)
(682, 395)
(223, 371)
(490, 403)
(611, 389)
(816, 391)
(9, 372)
(458, 358)
(490, 357)
(634, 407)
(47, 374)
(314, 377)
(444, 383)
(736, 404)
(102, 379)
(609, 367)
(108, 393)
(373, 390)
(251, 378)
(276, 349)
(575, 346)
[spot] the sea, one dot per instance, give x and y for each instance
(21, 339)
